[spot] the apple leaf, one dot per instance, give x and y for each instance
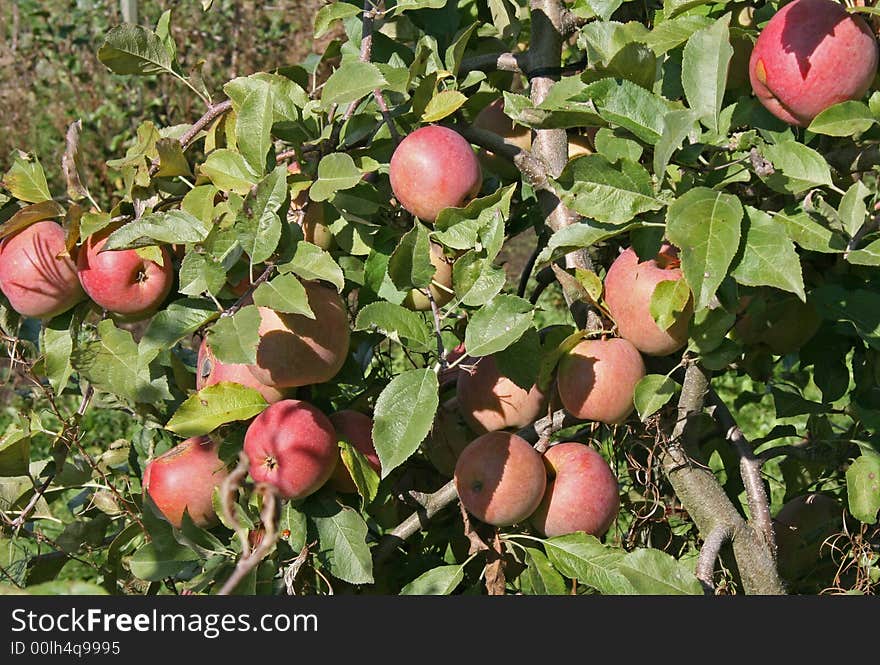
(342, 538)
(669, 301)
(844, 119)
(234, 339)
(151, 565)
(677, 126)
(462, 228)
(259, 225)
(540, 578)
(172, 227)
(443, 104)
(410, 264)
(229, 171)
(577, 236)
(253, 128)
(364, 476)
(863, 487)
(796, 168)
(56, 343)
(200, 273)
(439, 581)
(653, 572)
(672, 33)
(706, 226)
(704, 68)
(331, 13)
(352, 81)
(336, 171)
(397, 323)
(403, 416)
(215, 405)
(180, 319)
(853, 210)
(498, 325)
(806, 232)
(310, 262)
(629, 105)
(653, 392)
(582, 557)
(15, 449)
(769, 258)
(476, 280)
(26, 179)
(708, 329)
(285, 294)
(858, 306)
(132, 49)
(521, 361)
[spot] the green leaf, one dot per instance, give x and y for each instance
(858, 306)
(677, 126)
(844, 119)
(132, 49)
(152, 565)
(284, 294)
(594, 187)
(329, 14)
(652, 393)
(397, 323)
(410, 264)
(671, 34)
(476, 280)
(863, 487)
(26, 179)
(56, 345)
(706, 226)
(362, 474)
(853, 210)
(253, 128)
(353, 80)
(810, 234)
(582, 557)
(115, 364)
(797, 166)
(443, 104)
(577, 236)
(403, 416)
(15, 450)
(310, 262)
(669, 301)
(229, 171)
(200, 273)
(172, 227)
(258, 224)
(652, 572)
(630, 106)
(498, 325)
(704, 68)
(179, 320)
(215, 405)
(769, 257)
(521, 361)
(234, 339)
(440, 581)
(336, 171)
(540, 578)
(342, 537)
(172, 162)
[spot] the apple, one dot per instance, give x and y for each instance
(295, 350)
(184, 478)
(582, 493)
(500, 478)
(447, 438)
(357, 429)
(417, 300)
(801, 526)
(313, 227)
(811, 55)
(122, 282)
(782, 323)
(597, 378)
(489, 401)
(292, 446)
(629, 288)
(582, 144)
(493, 119)
(36, 274)
(210, 371)
(434, 168)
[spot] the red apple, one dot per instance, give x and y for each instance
(36, 275)
(295, 350)
(629, 287)
(184, 478)
(357, 429)
(489, 401)
(582, 493)
(434, 168)
(122, 282)
(811, 55)
(210, 371)
(597, 378)
(292, 446)
(500, 478)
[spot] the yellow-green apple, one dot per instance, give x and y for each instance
(500, 478)
(210, 371)
(597, 378)
(184, 478)
(36, 274)
(295, 350)
(292, 446)
(489, 401)
(434, 168)
(629, 288)
(417, 300)
(582, 493)
(811, 55)
(354, 428)
(122, 282)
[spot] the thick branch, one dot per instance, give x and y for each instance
(489, 62)
(705, 571)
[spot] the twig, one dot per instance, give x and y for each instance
(245, 297)
(210, 115)
(527, 271)
(705, 570)
(441, 351)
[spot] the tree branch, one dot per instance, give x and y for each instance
(490, 62)
(705, 570)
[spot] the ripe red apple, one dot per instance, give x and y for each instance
(122, 282)
(357, 429)
(417, 300)
(292, 445)
(582, 493)
(801, 526)
(209, 371)
(489, 401)
(434, 168)
(629, 287)
(597, 378)
(295, 350)
(36, 275)
(184, 478)
(811, 55)
(500, 478)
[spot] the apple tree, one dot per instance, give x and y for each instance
(496, 297)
